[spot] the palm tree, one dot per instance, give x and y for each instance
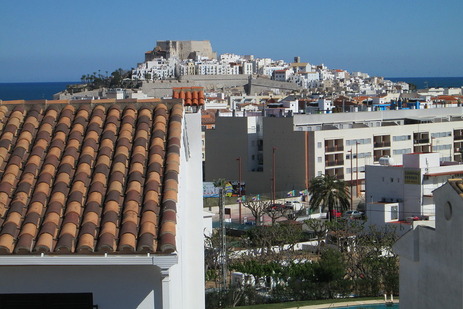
(329, 193)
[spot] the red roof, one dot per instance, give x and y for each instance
(97, 177)
(190, 95)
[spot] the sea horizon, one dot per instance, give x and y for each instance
(31, 90)
(46, 90)
(430, 82)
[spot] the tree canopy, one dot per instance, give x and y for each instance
(329, 193)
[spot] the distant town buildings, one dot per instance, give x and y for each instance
(174, 59)
(337, 144)
(401, 195)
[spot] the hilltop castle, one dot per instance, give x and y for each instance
(181, 49)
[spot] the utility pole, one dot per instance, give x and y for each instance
(357, 168)
(273, 176)
(223, 245)
(239, 189)
(351, 180)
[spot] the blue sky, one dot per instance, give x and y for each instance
(62, 40)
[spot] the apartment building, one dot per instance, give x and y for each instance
(403, 194)
(157, 68)
(298, 148)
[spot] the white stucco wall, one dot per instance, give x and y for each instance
(187, 290)
(384, 183)
(113, 287)
(430, 259)
(380, 213)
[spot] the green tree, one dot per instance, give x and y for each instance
(374, 267)
(329, 273)
(258, 208)
(411, 87)
(319, 229)
(266, 240)
(116, 78)
(330, 193)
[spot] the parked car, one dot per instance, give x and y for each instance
(353, 214)
(293, 205)
(334, 213)
(276, 207)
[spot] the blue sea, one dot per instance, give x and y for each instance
(429, 82)
(46, 90)
(31, 91)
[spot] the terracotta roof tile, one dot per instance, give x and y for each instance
(80, 178)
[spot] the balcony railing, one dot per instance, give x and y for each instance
(334, 162)
(332, 172)
(421, 148)
(382, 144)
(421, 141)
(334, 149)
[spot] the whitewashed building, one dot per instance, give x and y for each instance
(431, 269)
(404, 193)
(95, 230)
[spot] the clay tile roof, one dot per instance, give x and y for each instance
(94, 177)
(190, 95)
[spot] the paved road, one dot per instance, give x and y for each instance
(245, 212)
(345, 304)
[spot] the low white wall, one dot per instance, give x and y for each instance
(113, 287)
(187, 278)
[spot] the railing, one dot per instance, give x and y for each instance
(334, 149)
(382, 144)
(334, 163)
(421, 141)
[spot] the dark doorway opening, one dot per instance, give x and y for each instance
(47, 301)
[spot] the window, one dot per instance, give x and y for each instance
(441, 147)
(448, 211)
(400, 138)
(319, 144)
(354, 169)
(360, 155)
(401, 151)
(441, 134)
(360, 141)
(47, 300)
(319, 159)
(394, 213)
